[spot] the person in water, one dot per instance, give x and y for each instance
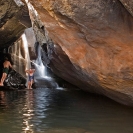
(6, 66)
(30, 73)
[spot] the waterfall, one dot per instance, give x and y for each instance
(21, 59)
(41, 77)
(40, 68)
(27, 57)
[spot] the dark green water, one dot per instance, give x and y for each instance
(44, 110)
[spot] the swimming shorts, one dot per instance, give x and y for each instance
(5, 70)
(31, 77)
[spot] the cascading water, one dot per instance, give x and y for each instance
(27, 57)
(41, 77)
(40, 68)
(21, 60)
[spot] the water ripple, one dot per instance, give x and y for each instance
(56, 111)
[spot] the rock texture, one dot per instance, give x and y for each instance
(14, 18)
(22, 51)
(128, 5)
(91, 43)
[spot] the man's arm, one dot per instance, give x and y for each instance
(27, 71)
(10, 65)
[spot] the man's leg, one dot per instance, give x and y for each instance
(29, 84)
(3, 79)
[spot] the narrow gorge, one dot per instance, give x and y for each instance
(87, 43)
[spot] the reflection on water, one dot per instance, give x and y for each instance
(45, 110)
(28, 111)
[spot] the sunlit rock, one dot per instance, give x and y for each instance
(22, 52)
(91, 44)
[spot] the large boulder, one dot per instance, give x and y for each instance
(14, 19)
(91, 43)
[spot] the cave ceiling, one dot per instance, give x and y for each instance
(14, 19)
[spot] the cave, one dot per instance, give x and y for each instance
(87, 44)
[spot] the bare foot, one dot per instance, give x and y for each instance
(28, 88)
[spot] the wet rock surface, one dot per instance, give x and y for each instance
(15, 80)
(91, 44)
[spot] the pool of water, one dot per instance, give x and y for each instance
(59, 110)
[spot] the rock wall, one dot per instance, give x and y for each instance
(14, 19)
(128, 4)
(23, 51)
(19, 56)
(91, 44)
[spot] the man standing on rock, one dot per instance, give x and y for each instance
(6, 66)
(30, 77)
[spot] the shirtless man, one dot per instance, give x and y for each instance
(30, 77)
(6, 66)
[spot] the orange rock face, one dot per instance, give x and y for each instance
(92, 44)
